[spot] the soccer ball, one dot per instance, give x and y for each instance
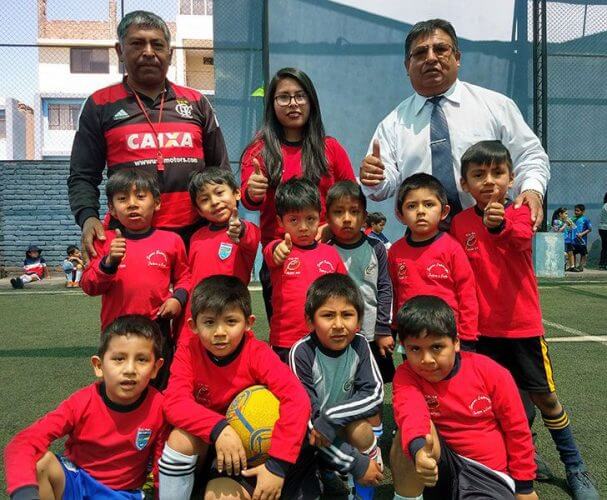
(252, 415)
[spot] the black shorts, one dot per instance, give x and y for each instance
(384, 363)
(463, 479)
(580, 250)
(568, 247)
(302, 482)
(527, 359)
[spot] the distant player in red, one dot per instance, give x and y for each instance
(210, 369)
(296, 261)
(497, 238)
(428, 261)
(115, 427)
(463, 431)
(138, 269)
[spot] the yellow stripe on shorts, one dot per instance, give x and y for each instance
(547, 365)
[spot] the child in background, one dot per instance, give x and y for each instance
(73, 266)
(428, 261)
(139, 269)
(497, 239)
(367, 264)
(376, 222)
(580, 243)
(296, 261)
(335, 365)
(561, 223)
(34, 268)
(115, 427)
(210, 369)
(462, 429)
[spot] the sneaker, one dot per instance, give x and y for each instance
(332, 484)
(579, 269)
(571, 270)
(581, 485)
(17, 283)
(543, 472)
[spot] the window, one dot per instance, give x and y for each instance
(196, 7)
(208, 61)
(2, 125)
(63, 116)
(89, 60)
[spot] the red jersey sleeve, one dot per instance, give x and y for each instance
(27, 447)
(510, 414)
(94, 281)
(247, 169)
(268, 252)
(251, 238)
(180, 272)
(180, 407)
(411, 414)
(290, 429)
(467, 300)
(342, 167)
(517, 230)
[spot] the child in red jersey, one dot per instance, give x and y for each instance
(228, 244)
(428, 261)
(462, 426)
(296, 261)
(210, 369)
(34, 268)
(497, 239)
(114, 427)
(139, 269)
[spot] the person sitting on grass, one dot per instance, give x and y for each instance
(139, 269)
(209, 370)
(498, 241)
(337, 368)
(34, 268)
(462, 428)
(115, 427)
(73, 266)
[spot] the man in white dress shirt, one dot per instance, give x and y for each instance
(401, 145)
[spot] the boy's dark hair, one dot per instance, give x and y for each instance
(580, 206)
(132, 324)
(486, 153)
(295, 195)
(210, 175)
(123, 180)
(375, 218)
(425, 315)
(71, 249)
(557, 214)
(333, 285)
(345, 189)
(419, 181)
(424, 28)
(219, 293)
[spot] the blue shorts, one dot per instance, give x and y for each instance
(80, 485)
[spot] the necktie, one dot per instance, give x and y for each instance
(440, 146)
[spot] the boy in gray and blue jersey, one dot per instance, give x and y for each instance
(366, 260)
(335, 365)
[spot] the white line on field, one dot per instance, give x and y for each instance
(578, 333)
(585, 338)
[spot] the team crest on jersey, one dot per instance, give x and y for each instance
(325, 267)
(480, 405)
(401, 271)
(370, 268)
(437, 271)
(143, 438)
(225, 250)
(201, 394)
(292, 266)
(157, 259)
(471, 242)
(433, 404)
(347, 387)
(184, 108)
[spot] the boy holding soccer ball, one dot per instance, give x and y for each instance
(209, 369)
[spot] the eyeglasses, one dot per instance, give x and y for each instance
(440, 50)
(285, 99)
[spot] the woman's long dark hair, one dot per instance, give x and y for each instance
(313, 159)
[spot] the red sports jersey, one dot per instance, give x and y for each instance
(213, 252)
(508, 299)
(340, 169)
(477, 410)
(113, 443)
(34, 266)
(142, 282)
(436, 267)
(201, 388)
(291, 281)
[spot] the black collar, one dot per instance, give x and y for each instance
(327, 352)
(350, 246)
(137, 236)
(481, 213)
(230, 357)
(118, 407)
(456, 366)
(423, 243)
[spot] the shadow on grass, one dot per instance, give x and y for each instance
(50, 352)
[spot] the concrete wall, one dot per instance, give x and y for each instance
(34, 209)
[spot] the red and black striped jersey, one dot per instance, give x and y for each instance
(114, 130)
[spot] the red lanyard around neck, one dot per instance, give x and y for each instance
(159, 157)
